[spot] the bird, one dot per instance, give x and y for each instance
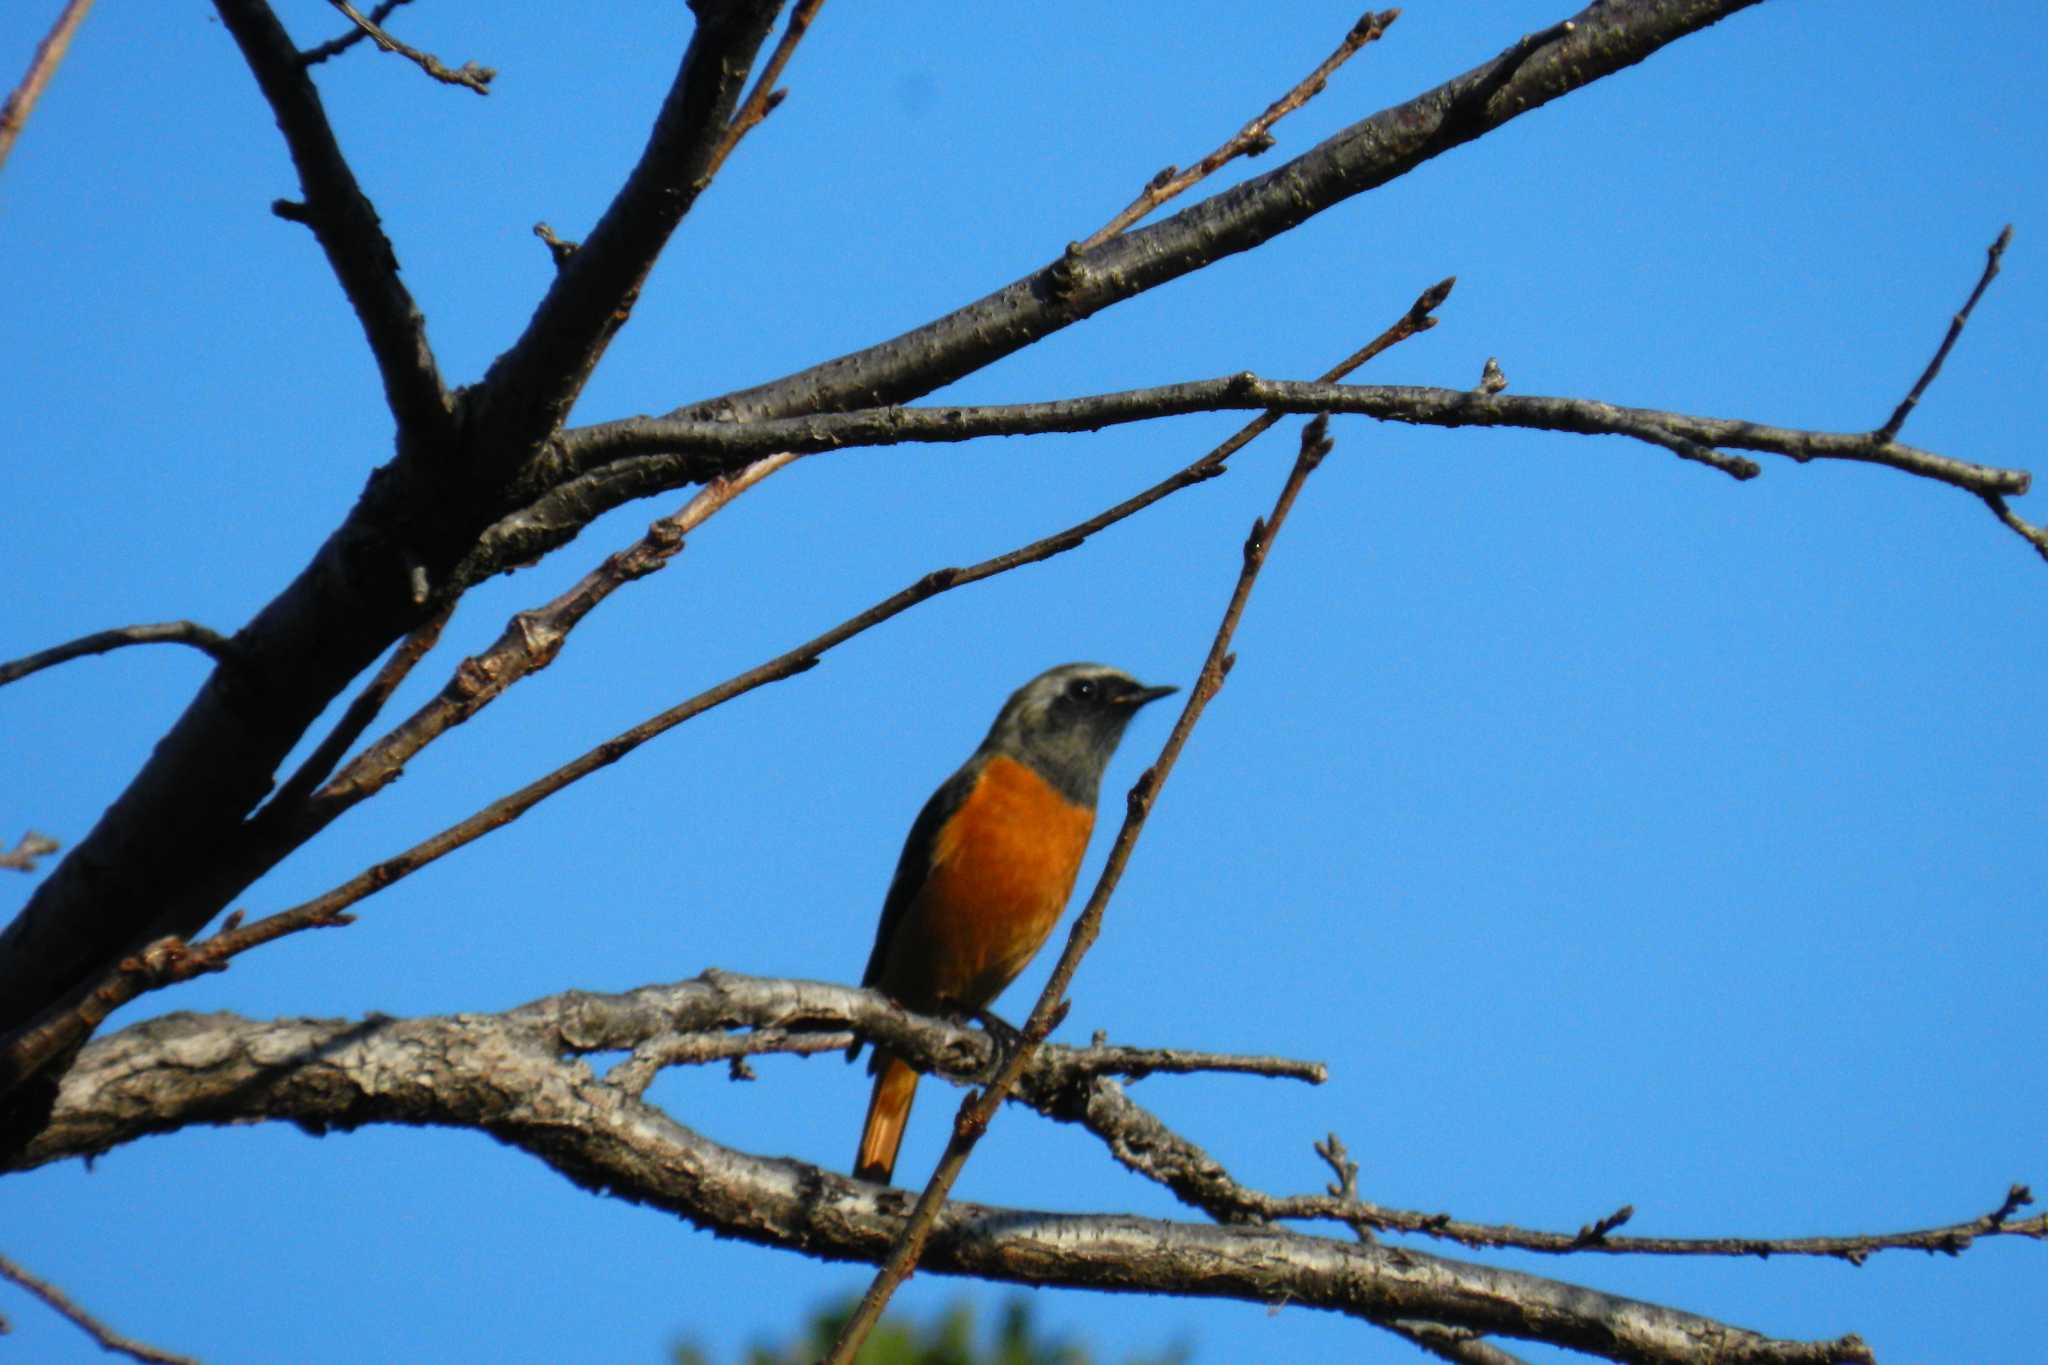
(988, 866)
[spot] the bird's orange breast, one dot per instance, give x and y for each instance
(1001, 870)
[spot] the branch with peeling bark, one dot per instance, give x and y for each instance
(519, 1077)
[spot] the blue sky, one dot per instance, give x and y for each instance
(1617, 833)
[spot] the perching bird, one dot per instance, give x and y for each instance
(988, 866)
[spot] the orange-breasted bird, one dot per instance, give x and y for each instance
(988, 866)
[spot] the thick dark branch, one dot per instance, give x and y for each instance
(1602, 39)
(210, 642)
(346, 223)
(171, 851)
(506, 1077)
(529, 390)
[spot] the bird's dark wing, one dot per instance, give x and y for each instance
(915, 863)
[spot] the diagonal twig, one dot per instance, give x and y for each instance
(529, 643)
(209, 642)
(470, 76)
(357, 718)
(107, 1338)
(2035, 536)
(764, 99)
(977, 1110)
(1255, 137)
(49, 52)
(334, 47)
(1992, 256)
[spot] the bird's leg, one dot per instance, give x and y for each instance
(1004, 1037)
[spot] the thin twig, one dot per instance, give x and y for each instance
(107, 1337)
(1254, 138)
(764, 98)
(2035, 536)
(209, 642)
(531, 640)
(470, 76)
(41, 67)
(334, 47)
(31, 846)
(977, 1110)
(1147, 1146)
(357, 718)
(621, 461)
(1885, 434)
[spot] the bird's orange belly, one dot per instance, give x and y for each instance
(1001, 873)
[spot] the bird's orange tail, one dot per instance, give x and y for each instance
(888, 1111)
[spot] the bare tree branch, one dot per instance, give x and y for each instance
(1252, 139)
(529, 643)
(356, 719)
(346, 224)
(1141, 1142)
(764, 98)
(209, 642)
(470, 76)
(31, 846)
(1996, 252)
(505, 1076)
(603, 466)
(108, 1339)
(2035, 536)
(685, 450)
(49, 52)
(334, 47)
(529, 389)
(1598, 41)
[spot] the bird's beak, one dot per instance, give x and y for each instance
(1138, 698)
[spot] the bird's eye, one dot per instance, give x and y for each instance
(1082, 689)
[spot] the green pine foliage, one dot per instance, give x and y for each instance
(948, 1338)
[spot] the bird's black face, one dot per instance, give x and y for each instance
(1066, 723)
